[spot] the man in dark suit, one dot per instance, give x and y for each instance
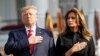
(30, 40)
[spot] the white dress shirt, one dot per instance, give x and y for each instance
(33, 29)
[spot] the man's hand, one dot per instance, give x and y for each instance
(35, 39)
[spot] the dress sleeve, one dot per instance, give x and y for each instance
(59, 47)
(91, 48)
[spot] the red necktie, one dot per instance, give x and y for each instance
(31, 45)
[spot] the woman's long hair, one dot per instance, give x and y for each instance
(80, 20)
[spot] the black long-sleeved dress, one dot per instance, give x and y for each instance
(64, 43)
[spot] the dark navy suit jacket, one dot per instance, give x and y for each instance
(18, 44)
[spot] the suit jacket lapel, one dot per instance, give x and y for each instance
(23, 30)
(38, 31)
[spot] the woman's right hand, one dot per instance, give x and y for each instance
(78, 46)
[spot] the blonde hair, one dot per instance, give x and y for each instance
(81, 21)
(49, 21)
(28, 7)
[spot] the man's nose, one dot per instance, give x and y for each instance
(28, 15)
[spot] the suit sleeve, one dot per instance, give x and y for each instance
(91, 48)
(52, 48)
(51, 51)
(14, 44)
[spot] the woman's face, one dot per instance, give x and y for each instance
(71, 20)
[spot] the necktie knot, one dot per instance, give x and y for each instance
(31, 45)
(30, 32)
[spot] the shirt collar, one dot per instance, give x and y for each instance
(70, 32)
(33, 28)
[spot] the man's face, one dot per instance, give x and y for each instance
(29, 17)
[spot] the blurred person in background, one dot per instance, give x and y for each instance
(75, 40)
(49, 22)
(60, 23)
(30, 40)
(97, 31)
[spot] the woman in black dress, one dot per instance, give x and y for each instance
(75, 40)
